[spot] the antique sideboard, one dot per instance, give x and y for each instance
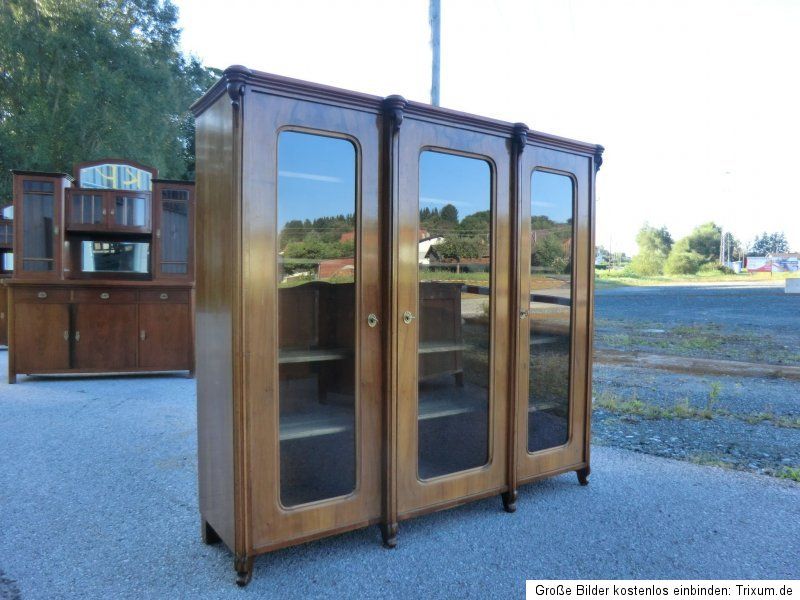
(103, 272)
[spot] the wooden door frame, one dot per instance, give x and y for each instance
(268, 525)
(413, 495)
(574, 455)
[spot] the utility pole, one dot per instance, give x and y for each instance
(434, 18)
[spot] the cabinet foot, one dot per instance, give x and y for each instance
(389, 533)
(509, 501)
(12, 379)
(583, 475)
(244, 570)
(208, 534)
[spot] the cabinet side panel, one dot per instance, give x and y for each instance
(215, 294)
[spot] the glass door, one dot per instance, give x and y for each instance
(555, 278)
(452, 310)
(313, 306)
(38, 227)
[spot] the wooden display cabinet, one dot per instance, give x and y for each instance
(6, 259)
(103, 278)
(393, 310)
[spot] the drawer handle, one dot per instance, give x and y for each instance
(104, 296)
(42, 295)
(163, 296)
(77, 336)
(66, 335)
(142, 335)
(372, 320)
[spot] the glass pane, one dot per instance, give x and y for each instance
(174, 232)
(316, 316)
(115, 177)
(550, 310)
(6, 233)
(131, 211)
(115, 257)
(37, 220)
(454, 312)
(86, 209)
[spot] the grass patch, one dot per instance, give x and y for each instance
(680, 410)
(792, 473)
(708, 459)
(621, 277)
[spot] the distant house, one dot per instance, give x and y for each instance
(425, 247)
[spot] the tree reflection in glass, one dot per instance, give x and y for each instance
(550, 310)
(316, 316)
(454, 257)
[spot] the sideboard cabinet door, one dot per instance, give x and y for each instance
(164, 334)
(105, 336)
(41, 337)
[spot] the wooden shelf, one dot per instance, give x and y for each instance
(437, 347)
(326, 420)
(309, 356)
(541, 340)
(330, 420)
(437, 409)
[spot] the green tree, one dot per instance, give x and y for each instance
(458, 248)
(769, 243)
(705, 240)
(548, 252)
(682, 260)
(654, 247)
(476, 223)
(88, 79)
(450, 214)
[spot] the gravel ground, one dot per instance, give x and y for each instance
(752, 324)
(99, 499)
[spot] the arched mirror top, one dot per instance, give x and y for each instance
(114, 174)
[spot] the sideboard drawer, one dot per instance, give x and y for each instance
(42, 294)
(171, 296)
(109, 296)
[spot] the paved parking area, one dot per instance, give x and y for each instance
(98, 498)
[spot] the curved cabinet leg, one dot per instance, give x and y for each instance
(244, 570)
(583, 475)
(389, 533)
(208, 534)
(509, 501)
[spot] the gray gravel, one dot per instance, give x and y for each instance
(751, 324)
(98, 498)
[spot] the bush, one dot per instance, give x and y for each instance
(646, 264)
(683, 263)
(716, 269)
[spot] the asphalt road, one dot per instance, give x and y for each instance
(98, 498)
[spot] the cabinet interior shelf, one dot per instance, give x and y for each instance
(310, 356)
(330, 420)
(437, 347)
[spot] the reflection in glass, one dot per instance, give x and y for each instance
(316, 316)
(454, 313)
(86, 209)
(115, 177)
(550, 310)
(131, 211)
(37, 219)
(174, 232)
(114, 257)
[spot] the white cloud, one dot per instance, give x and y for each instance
(309, 176)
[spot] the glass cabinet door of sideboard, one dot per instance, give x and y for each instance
(38, 220)
(317, 237)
